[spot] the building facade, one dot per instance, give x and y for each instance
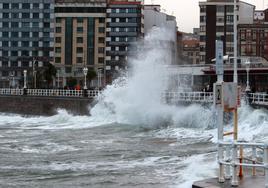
(26, 39)
(217, 23)
(125, 25)
(253, 38)
(190, 51)
(80, 40)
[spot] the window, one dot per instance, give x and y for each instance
(25, 43)
(101, 40)
(14, 24)
(47, 15)
(46, 44)
(5, 43)
(79, 60)
(25, 34)
(4, 73)
(25, 5)
(80, 20)
(5, 5)
(5, 53)
(46, 25)
(25, 24)
(229, 8)
(79, 50)
(46, 34)
(14, 44)
(25, 53)
(4, 64)
(25, 64)
(5, 15)
(68, 69)
(121, 10)
(230, 28)
(35, 53)
(101, 50)
(58, 39)
(36, 5)
(101, 20)
(58, 49)
(46, 6)
(79, 39)
(14, 34)
(79, 29)
(35, 43)
(101, 60)
(58, 20)
(229, 18)
(5, 34)
(101, 30)
(14, 53)
(15, 5)
(6, 24)
(14, 63)
(58, 29)
(35, 15)
(57, 60)
(25, 15)
(36, 24)
(202, 18)
(15, 15)
(35, 34)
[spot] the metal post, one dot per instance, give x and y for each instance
(235, 79)
(25, 82)
(58, 79)
(234, 166)
(254, 159)
(227, 168)
(266, 165)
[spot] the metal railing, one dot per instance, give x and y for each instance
(200, 97)
(7, 91)
(51, 92)
(228, 157)
(258, 98)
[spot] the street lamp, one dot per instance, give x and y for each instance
(247, 63)
(85, 70)
(58, 76)
(34, 73)
(25, 79)
(99, 78)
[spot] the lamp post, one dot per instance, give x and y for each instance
(235, 78)
(25, 79)
(34, 73)
(58, 78)
(247, 63)
(99, 78)
(85, 70)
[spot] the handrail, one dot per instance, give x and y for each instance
(51, 92)
(174, 97)
(230, 159)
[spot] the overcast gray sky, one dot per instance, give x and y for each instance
(187, 11)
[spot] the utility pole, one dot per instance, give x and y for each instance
(235, 79)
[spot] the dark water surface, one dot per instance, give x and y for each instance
(105, 156)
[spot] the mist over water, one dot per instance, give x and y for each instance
(131, 139)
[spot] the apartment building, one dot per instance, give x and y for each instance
(125, 25)
(26, 36)
(80, 39)
(217, 22)
(253, 38)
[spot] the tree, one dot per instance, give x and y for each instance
(71, 82)
(49, 73)
(91, 74)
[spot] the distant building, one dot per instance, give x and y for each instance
(217, 22)
(153, 17)
(80, 30)
(253, 38)
(125, 25)
(190, 51)
(26, 36)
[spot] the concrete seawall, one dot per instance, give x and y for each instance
(45, 106)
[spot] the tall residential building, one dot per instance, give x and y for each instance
(125, 25)
(153, 17)
(26, 36)
(217, 22)
(80, 39)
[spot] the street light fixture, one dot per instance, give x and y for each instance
(247, 64)
(85, 70)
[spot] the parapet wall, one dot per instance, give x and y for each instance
(45, 106)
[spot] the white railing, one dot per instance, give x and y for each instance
(7, 91)
(51, 92)
(258, 98)
(234, 155)
(175, 97)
